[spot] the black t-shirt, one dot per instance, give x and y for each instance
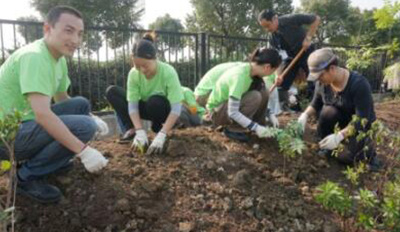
(290, 34)
(356, 98)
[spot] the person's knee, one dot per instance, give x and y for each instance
(82, 126)
(329, 113)
(90, 128)
(157, 103)
(253, 97)
(81, 103)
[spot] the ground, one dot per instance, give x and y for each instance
(204, 182)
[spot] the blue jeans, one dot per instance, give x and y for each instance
(44, 155)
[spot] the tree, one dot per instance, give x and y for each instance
(166, 23)
(232, 17)
(334, 15)
(30, 32)
(104, 13)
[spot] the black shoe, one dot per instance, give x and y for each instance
(127, 137)
(39, 190)
(374, 164)
(325, 153)
(239, 136)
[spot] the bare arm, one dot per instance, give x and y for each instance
(310, 111)
(135, 117)
(52, 124)
(311, 32)
(170, 122)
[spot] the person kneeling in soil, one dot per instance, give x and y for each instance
(153, 93)
(239, 99)
(340, 94)
(207, 82)
(192, 113)
(49, 135)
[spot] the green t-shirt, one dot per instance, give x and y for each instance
(269, 80)
(165, 83)
(30, 69)
(208, 81)
(190, 100)
(233, 83)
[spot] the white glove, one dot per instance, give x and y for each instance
(331, 141)
(292, 99)
(274, 120)
(157, 145)
(263, 132)
(92, 159)
(140, 141)
(102, 126)
(302, 120)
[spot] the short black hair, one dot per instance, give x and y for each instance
(55, 13)
(266, 56)
(266, 14)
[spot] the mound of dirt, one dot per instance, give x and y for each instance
(204, 182)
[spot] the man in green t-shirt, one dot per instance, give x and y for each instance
(49, 135)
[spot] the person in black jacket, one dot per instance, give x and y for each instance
(288, 35)
(340, 94)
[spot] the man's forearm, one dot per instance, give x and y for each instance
(313, 28)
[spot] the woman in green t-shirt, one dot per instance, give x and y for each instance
(239, 97)
(153, 93)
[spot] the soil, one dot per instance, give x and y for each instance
(204, 182)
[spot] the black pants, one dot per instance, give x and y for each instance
(300, 64)
(328, 118)
(156, 108)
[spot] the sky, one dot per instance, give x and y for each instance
(154, 8)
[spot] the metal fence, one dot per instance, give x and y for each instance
(104, 57)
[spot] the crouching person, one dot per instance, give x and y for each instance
(192, 113)
(49, 135)
(154, 93)
(239, 99)
(340, 94)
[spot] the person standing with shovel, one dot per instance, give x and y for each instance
(290, 38)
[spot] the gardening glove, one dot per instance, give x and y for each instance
(292, 99)
(262, 131)
(140, 141)
(157, 145)
(331, 141)
(102, 127)
(92, 159)
(274, 120)
(302, 120)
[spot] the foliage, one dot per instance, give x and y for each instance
(333, 197)
(386, 16)
(106, 13)
(392, 71)
(30, 32)
(333, 14)
(231, 17)
(289, 139)
(9, 125)
(377, 209)
(168, 42)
